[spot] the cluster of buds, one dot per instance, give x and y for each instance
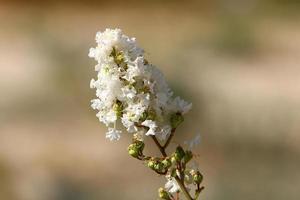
(159, 165)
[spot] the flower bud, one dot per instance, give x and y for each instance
(176, 119)
(133, 151)
(188, 156)
(118, 108)
(151, 164)
(119, 58)
(167, 163)
(163, 194)
(179, 154)
(140, 145)
(158, 166)
(173, 159)
(136, 148)
(197, 177)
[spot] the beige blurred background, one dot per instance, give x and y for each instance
(238, 61)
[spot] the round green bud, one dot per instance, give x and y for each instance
(163, 194)
(173, 158)
(167, 162)
(151, 164)
(197, 177)
(119, 58)
(176, 119)
(158, 166)
(140, 145)
(133, 151)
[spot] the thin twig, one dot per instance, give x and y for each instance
(177, 195)
(183, 188)
(169, 138)
(161, 148)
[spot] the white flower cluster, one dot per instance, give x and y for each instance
(130, 89)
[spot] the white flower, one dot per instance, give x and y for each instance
(194, 142)
(107, 117)
(97, 104)
(135, 69)
(181, 105)
(151, 125)
(131, 128)
(129, 88)
(113, 134)
(128, 92)
(92, 83)
(171, 185)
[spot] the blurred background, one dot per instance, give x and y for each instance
(237, 61)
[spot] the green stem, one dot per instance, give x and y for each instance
(183, 188)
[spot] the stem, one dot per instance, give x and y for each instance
(170, 138)
(183, 188)
(161, 149)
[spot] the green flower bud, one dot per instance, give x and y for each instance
(119, 58)
(167, 162)
(158, 166)
(133, 151)
(136, 148)
(179, 154)
(197, 177)
(151, 164)
(176, 119)
(188, 156)
(173, 158)
(118, 108)
(163, 194)
(140, 145)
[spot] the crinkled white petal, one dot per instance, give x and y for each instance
(151, 125)
(171, 185)
(113, 134)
